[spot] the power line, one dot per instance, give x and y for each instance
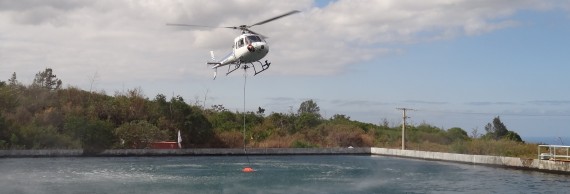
(487, 113)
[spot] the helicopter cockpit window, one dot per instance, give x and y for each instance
(254, 39)
(240, 43)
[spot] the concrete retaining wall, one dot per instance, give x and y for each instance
(186, 152)
(39, 153)
(235, 152)
(532, 164)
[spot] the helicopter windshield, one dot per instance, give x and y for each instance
(254, 39)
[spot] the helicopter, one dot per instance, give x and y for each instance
(250, 47)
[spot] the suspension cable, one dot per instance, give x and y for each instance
(244, 84)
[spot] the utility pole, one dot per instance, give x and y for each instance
(404, 117)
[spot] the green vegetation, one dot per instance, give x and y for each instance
(44, 115)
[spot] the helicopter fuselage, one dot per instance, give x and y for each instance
(247, 48)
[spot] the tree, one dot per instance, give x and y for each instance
(34, 136)
(340, 118)
(260, 110)
(496, 129)
(218, 108)
(457, 134)
(139, 134)
(197, 129)
(225, 121)
(284, 123)
(46, 79)
(500, 128)
(8, 97)
(310, 107)
(4, 132)
(95, 135)
(13, 81)
(307, 115)
(307, 120)
(513, 136)
(475, 133)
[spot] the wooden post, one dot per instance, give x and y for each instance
(404, 117)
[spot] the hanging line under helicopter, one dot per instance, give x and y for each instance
(247, 168)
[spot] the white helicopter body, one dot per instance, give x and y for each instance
(248, 48)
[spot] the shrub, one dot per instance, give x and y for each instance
(302, 144)
(95, 135)
(139, 134)
(231, 139)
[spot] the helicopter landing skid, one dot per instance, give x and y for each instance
(230, 70)
(263, 67)
(233, 67)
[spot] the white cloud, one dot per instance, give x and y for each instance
(127, 40)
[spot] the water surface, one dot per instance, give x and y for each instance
(275, 174)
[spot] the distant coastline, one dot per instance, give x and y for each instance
(548, 140)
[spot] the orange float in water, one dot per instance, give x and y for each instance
(247, 169)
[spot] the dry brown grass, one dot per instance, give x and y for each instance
(427, 146)
(501, 148)
(475, 147)
(231, 139)
(276, 141)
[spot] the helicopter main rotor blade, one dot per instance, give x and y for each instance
(274, 18)
(201, 26)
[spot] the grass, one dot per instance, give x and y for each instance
(479, 147)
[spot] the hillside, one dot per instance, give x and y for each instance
(43, 115)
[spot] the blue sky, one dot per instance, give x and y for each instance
(458, 63)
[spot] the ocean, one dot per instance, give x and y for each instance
(548, 140)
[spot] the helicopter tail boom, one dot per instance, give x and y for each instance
(214, 63)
